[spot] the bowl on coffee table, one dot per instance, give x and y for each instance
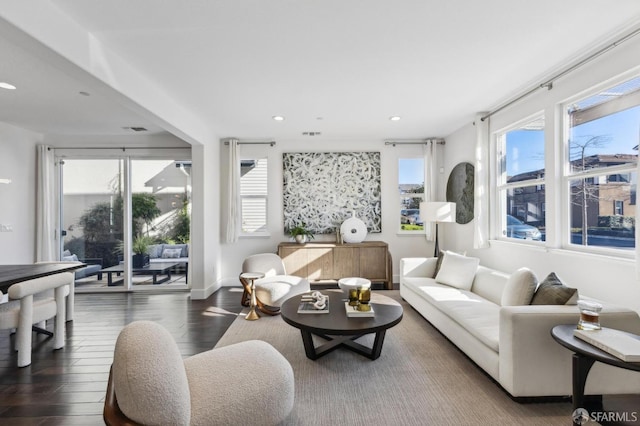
(349, 283)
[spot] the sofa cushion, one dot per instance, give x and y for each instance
(70, 258)
(490, 284)
(552, 291)
(457, 270)
(520, 288)
(479, 316)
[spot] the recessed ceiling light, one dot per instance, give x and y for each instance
(394, 118)
(278, 118)
(7, 86)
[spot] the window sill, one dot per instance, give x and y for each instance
(625, 257)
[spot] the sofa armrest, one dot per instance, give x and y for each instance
(528, 354)
(418, 267)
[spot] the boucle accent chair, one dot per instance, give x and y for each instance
(275, 287)
(33, 302)
(245, 383)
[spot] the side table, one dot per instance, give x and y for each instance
(251, 277)
(584, 355)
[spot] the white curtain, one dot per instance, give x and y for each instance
(45, 205)
(430, 184)
(233, 201)
(481, 186)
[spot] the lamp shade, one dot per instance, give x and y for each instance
(438, 211)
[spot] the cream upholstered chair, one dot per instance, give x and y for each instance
(26, 308)
(275, 287)
(150, 383)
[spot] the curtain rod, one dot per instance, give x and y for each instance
(439, 141)
(123, 148)
(271, 143)
(548, 84)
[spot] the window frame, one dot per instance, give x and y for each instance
(564, 229)
(402, 196)
(241, 232)
(501, 187)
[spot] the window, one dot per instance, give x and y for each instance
(521, 181)
(602, 147)
(411, 191)
(253, 196)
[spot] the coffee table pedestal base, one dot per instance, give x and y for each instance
(334, 342)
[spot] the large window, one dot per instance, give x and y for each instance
(411, 191)
(602, 152)
(253, 196)
(521, 181)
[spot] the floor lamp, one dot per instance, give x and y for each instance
(438, 212)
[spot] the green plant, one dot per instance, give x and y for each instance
(301, 230)
(141, 244)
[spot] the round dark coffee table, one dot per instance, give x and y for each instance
(340, 330)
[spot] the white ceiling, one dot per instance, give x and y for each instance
(341, 67)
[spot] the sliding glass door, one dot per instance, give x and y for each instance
(92, 219)
(145, 200)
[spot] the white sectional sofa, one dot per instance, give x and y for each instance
(512, 343)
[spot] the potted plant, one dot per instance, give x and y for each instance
(139, 247)
(301, 234)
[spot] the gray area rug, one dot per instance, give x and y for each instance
(420, 379)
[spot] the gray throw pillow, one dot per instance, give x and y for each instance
(551, 291)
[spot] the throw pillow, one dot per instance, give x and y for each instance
(551, 291)
(519, 288)
(171, 253)
(457, 270)
(70, 258)
(154, 251)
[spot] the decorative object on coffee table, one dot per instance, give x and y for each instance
(252, 277)
(349, 283)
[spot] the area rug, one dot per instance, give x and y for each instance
(419, 379)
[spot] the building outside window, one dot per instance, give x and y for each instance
(253, 196)
(521, 181)
(602, 152)
(411, 192)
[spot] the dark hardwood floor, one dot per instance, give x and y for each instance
(67, 386)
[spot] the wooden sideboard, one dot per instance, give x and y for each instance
(328, 262)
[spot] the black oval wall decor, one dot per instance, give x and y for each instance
(460, 191)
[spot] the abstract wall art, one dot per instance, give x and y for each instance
(323, 189)
(460, 191)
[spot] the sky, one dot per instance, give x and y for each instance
(525, 148)
(411, 170)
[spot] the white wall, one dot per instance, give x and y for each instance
(399, 245)
(604, 277)
(18, 199)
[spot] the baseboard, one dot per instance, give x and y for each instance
(201, 294)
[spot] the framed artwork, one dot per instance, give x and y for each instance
(323, 189)
(460, 187)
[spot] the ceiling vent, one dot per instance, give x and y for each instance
(311, 133)
(136, 129)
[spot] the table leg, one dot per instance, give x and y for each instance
(581, 366)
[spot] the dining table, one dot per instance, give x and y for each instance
(11, 274)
